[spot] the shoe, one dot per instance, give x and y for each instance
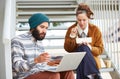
(98, 76)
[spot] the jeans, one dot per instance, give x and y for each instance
(88, 64)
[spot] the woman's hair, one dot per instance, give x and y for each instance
(84, 8)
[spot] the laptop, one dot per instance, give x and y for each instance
(70, 61)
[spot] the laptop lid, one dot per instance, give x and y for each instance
(70, 61)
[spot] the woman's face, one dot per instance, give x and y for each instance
(82, 20)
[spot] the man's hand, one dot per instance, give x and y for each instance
(53, 62)
(44, 57)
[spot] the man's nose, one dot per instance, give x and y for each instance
(44, 30)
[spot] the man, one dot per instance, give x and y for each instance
(28, 55)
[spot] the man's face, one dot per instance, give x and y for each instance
(40, 31)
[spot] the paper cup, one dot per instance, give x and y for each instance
(108, 63)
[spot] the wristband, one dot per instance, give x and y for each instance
(72, 36)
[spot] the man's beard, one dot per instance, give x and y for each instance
(37, 35)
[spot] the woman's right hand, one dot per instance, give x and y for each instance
(44, 57)
(74, 31)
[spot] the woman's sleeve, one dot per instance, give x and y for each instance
(98, 47)
(70, 43)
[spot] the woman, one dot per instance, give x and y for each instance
(89, 67)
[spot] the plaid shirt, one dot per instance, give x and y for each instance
(24, 49)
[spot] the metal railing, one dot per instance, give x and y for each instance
(107, 17)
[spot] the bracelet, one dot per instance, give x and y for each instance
(72, 36)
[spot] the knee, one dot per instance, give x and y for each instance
(82, 48)
(54, 76)
(67, 75)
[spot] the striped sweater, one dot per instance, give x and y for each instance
(24, 49)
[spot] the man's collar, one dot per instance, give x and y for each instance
(31, 37)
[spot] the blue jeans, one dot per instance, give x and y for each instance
(88, 64)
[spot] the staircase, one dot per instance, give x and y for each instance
(55, 9)
(61, 13)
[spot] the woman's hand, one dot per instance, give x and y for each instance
(74, 32)
(85, 43)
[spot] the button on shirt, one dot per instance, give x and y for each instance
(24, 49)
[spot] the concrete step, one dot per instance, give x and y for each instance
(51, 28)
(104, 68)
(106, 75)
(105, 72)
(44, 10)
(45, 2)
(52, 20)
(52, 6)
(20, 13)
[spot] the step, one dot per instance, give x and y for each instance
(53, 47)
(47, 13)
(104, 68)
(50, 16)
(106, 75)
(42, 0)
(51, 28)
(45, 2)
(107, 69)
(52, 20)
(45, 9)
(57, 7)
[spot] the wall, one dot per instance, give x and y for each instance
(2, 56)
(7, 29)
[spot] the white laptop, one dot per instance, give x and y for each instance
(70, 61)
